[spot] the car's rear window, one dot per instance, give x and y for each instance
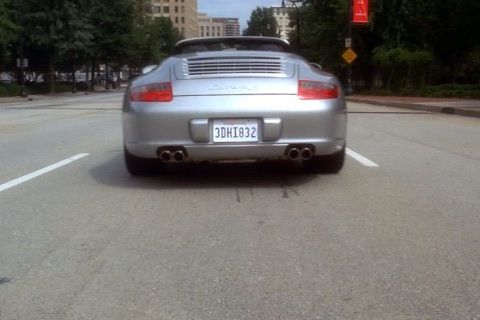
(231, 45)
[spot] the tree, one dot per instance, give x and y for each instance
(262, 23)
(43, 26)
(113, 23)
(326, 21)
(151, 40)
(77, 37)
(8, 32)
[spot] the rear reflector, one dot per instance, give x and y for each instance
(312, 90)
(156, 92)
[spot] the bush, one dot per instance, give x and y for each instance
(9, 89)
(402, 67)
(440, 91)
(44, 88)
(452, 91)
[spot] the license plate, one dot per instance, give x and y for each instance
(235, 130)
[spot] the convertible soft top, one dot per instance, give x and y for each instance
(232, 44)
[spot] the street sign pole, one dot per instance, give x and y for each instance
(349, 90)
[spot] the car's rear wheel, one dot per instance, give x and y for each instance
(331, 163)
(139, 166)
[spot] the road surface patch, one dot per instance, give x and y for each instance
(35, 174)
(363, 160)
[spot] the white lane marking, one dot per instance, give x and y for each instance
(39, 172)
(366, 162)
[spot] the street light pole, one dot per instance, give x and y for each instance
(349, 36)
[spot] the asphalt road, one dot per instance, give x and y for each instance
(394, 238)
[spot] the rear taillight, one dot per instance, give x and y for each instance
(312, 90)
(156, 92)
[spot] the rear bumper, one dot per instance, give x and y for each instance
(201, 152)
(187, 122)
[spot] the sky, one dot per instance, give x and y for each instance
(233, 8)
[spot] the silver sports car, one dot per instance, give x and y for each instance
(234, 98)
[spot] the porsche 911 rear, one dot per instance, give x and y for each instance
(235, 105)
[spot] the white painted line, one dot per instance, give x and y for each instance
(366, 162)
(39, 172)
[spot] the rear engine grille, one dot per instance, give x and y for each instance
(235, 66)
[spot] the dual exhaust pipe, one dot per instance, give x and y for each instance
(303, 153)
(167, 156)
(179, 156)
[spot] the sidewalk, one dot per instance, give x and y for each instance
(456, 106)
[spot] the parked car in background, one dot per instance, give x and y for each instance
(235, 98)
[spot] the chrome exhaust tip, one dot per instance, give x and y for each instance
(293, 154)
(166, 156)
(306, 154)
(178, 156)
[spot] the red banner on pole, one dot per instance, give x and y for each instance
(360, 11)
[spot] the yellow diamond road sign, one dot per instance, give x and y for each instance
(349, 55)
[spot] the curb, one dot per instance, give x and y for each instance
(421, 107)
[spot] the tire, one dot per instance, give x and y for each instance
(331, 163)
(138, 166)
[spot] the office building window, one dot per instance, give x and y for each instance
(183, 19)
(166, 9)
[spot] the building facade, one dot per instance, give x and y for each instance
(208, 28)
(182, 13)
(231, 26)
(282, 16)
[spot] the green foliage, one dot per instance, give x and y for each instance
(112, 22)
(77, 35)
(64, 35)
(152, 41)
(402, 67)
(9, 89)
(261, 23)
(410, 43)
(473, 63)
(451, 91)
(54, 28)
(43, 88)
(8, 32)
(322, 30)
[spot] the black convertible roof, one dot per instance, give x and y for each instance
(238, 43)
